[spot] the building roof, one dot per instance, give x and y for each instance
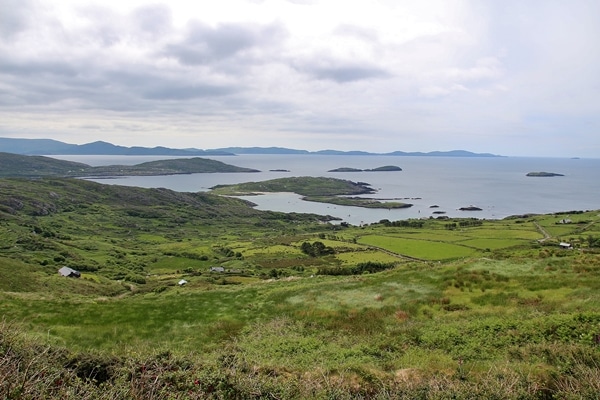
(66, 271)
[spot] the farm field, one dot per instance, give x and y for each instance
(288, 306)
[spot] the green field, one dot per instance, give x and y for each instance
(431, 309)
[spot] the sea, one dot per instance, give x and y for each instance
(436, 186)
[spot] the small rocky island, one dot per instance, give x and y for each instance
(385, 168)
(543, 174)
(470, 208)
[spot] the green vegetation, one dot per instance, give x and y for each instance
(13, 165)
(322, 190)
(304, 185)
(357, 202)
(287, 305)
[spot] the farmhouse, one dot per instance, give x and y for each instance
(217, 269)
(565, 245)
(69, 272)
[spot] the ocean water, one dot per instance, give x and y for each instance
(499, 185)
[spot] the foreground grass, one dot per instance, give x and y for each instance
(463, 309)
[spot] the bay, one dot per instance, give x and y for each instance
(497, 185)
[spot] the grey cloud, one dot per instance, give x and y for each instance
(153, 20)
(205, 44)
(14, 16)
(188, 92)
(35, 68)
(346, 73)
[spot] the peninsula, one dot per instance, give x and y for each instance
(317, 189)
(15, 165)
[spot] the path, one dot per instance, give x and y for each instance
(543, 232)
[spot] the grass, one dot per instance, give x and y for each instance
(426, 250)
(486, 311)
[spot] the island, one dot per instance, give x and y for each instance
(385, 168)
(470, 208)
(318, 189)
(345, 169)
(543, 174)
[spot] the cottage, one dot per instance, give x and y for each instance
(564, 245)
(69, 272)
(217, 269)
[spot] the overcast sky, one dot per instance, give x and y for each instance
(508, 77)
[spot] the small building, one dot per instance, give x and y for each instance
(182, 282)
(69, 272)
(217, 269)
(565, 221)
(565, 245)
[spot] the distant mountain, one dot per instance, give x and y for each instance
(282, 150)
(452, 153)
(342, 153)
(260, 150)
(54, 147)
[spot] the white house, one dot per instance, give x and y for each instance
(69, 272)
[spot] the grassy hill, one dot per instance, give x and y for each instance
(430, 308)
(14, 165)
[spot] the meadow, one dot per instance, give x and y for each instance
(459, 308)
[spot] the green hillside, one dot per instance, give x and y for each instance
(287, 306)
(14, 165)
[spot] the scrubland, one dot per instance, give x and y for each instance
(287, 306)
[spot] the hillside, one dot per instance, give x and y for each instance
(194, 295)
(14, 165)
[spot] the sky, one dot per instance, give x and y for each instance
(510, 77)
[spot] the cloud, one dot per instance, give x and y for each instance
(278, 72)
(14, 17)
(204, 44)
(174, 92)
(341, 73)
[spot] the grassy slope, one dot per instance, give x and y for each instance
(13, 165)
(510, 317)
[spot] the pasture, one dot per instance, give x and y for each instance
(459, 308)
